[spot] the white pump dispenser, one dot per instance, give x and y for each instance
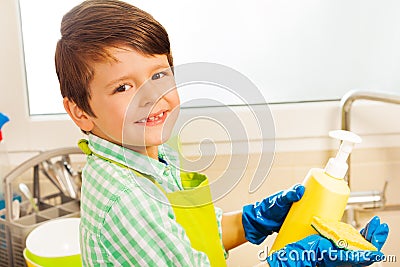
(337, 167)
(325, 196)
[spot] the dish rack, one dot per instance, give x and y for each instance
(13, 231)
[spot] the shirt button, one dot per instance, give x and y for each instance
(166, 171)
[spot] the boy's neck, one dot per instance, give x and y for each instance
(149, 151)
(152, 152)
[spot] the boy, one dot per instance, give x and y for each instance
(114, 65)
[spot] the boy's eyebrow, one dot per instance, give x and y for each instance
(113, 82)
(117, 80)
(161, 66)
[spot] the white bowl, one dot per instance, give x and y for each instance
(55, 239)
(29, 262)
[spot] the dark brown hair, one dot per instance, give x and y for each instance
(89, 30)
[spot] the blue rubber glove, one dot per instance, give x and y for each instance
(376, 232)
(265, 217)
(316, 250)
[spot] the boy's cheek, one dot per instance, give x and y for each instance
(169, 124)
(167, 87)
(173, 97)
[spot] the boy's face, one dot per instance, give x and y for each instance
(134, 98)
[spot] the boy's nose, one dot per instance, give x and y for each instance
(147, 95)
(150, 92)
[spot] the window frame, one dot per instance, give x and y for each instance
(298, 126)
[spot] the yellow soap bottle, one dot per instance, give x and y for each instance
(325, 196)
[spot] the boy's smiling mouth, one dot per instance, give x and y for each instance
(153, 119)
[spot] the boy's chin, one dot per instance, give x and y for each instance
(147, 139)
(146, 143)
(154, 143)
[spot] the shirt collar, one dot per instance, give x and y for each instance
(133, 159)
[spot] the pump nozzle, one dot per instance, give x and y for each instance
(337, 167)
(3, 120)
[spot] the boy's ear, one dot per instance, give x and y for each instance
(80, 117)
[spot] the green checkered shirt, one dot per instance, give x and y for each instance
(125, 220)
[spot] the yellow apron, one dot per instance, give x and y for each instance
(193, 208)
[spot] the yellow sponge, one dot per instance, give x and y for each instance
(342, 234)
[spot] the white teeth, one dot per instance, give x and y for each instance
(159, 116)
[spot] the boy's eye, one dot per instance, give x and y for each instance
(123, 88)
(158, 75)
